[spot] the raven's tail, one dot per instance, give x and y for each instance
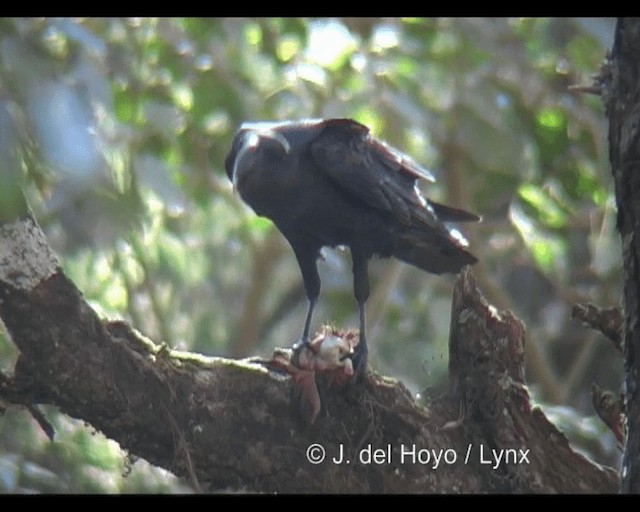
(428, 243)
(450, 214)
(440, 251)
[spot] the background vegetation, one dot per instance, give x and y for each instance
(118, 129)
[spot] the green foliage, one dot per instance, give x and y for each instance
(147, 225)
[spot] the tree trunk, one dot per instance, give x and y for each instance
(227, 424)
(621, 95)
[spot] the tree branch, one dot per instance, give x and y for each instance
(227, 424)
(609, 321)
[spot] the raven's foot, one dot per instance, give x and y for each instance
(303, 352)
(301, 343)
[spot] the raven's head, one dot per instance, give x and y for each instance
(255, 152)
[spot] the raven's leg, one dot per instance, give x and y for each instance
(308, 267)
(307, 322)
(361, 292)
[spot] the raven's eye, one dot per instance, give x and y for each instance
(272, 150)
(273, 140)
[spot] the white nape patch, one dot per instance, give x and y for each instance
(26, 258)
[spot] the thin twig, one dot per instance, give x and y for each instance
(586, 89)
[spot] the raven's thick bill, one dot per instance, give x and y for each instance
(330, 183)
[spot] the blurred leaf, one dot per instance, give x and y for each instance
(585, 183)
(551, 131)
(115, 295)
(288, 47)
(547, 250)
(552, 119)
(547, 209)
(172, 255)
(153, 174)
(253, 34)
(330, 44)
(125, 105)
(371, 119)
(258, 225)
(183, 96)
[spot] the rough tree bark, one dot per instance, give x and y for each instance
(620, 85)
(227, 423)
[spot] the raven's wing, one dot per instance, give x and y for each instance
(385, 180)
(377, 174)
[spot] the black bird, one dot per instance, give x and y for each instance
(330, 183)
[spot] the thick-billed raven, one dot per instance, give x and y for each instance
(330, 183)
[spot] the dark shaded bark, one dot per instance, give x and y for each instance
(620, 81)
(227, 424)
(486, 370)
